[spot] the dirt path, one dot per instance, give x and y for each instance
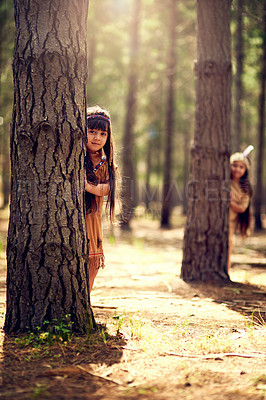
(165, 340)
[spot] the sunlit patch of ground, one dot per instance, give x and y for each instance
(160, 338)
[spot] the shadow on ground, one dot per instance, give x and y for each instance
(247, 299)
(65, 370)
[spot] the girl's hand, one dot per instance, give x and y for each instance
(232, 196)
(102, 189)
(238, 208)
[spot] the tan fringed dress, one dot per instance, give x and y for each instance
(94, 219)
(240, 198)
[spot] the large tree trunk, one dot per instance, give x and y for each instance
(206, 232)
(47, 275)
(238, 94)
(169, 126)
(129, 178)
(261, 130)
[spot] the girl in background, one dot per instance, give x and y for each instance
(240, 195)
(100, 181)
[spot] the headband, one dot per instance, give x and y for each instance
(242, 156)
(99, 116)
(106, 119)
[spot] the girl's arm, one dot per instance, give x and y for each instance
(102, 189)
(236, 207)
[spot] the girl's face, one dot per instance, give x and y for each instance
(96, 140)
(238, 168)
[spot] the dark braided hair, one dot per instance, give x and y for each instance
(103, 124)
(244, 219)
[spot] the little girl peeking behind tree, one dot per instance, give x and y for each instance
(100, 181)
(240, 194)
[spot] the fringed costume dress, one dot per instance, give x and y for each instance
(94, 218)
(242, 199)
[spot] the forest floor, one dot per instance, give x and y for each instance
(158, 337)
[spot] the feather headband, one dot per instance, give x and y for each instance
(242, 156)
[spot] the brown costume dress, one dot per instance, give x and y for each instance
(94, 219)
(240, 198)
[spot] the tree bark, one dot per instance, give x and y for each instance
(129, 178)
(205, 249)
(261, 130)
(169, 126)
(47, 254)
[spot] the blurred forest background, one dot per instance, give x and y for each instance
(135, 64)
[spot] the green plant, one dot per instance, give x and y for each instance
(62, 329)
(257, 319)
(40, 392)
(111, 239)
(136, 327)
(119, 321)
(90, 324)
(213, 343)
(147, 390)
(183, 324)
(104, 336)
(49, 333)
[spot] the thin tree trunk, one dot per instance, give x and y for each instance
(206, 233)
(6, 175)
(47, 275)
(129, 178)
(185, 173)
(169, 127)
(5, 165)
(91, 59)
(148, 173)
(238, 77)
(261, 130)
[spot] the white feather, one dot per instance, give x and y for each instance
(248, 150)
